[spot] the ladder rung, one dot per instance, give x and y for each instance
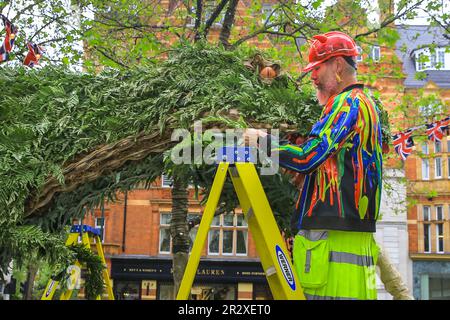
(77, 229)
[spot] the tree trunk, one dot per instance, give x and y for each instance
(228, 23)
(179, 230)
(29, 284)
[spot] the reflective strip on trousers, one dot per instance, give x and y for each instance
(314, 297)
(345, 257)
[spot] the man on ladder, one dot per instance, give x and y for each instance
(334, 251)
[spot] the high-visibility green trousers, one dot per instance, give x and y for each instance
(336, 264)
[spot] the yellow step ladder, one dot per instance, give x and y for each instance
(87, 234)
(271, 248)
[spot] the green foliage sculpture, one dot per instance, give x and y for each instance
(69, 140)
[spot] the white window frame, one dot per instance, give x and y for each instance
(167, 226)
(425, 169)
(436, 176)
(164, 179)
(425, 148)
(426, 226)
(234, 228)
(429, 213)
(430, 110)
(442, 213)
(438, 237)
(266, 11)
(436, 57)
(376, 53)
(439, 223)
(161, 227)
(97, 226)
(436, 144)
(359, 58)
(448, 167)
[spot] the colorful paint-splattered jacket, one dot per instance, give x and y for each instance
(342, 158)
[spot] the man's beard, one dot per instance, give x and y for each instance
(326, 90)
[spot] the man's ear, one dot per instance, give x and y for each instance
(339, 65)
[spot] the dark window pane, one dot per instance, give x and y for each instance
(227, 242)
(214, 241)
(435, 288)
(228, 220)
(241, 242)
(216, 221)
(241, 221)
(426, 237)
(426, 213)
(439, 213)
(164, 240)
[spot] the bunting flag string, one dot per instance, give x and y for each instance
(435, 131)
(8, 43)
(403, 141)
(34, 54)
(35, 51)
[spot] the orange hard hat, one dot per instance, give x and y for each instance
(330, 44)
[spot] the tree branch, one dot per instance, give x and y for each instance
(214, 16)
(106, 55)
(228, 23)
(198, 19)
(388, 21)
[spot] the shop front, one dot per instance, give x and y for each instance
(150, 278)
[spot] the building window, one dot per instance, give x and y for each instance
(166, 182)
(270, 15)
(425, 148)
(266, 11)
(420, 61)
(426, 229)
(441, 58)
(359, 58)
(427, 59)
(425, 169)
(438, 168)
(165, 239)
(376, 53)
(431, 110)
(228, 235)
(437, 146)
(100, 224)
(439, 229)
(448, 167)
(439, 288)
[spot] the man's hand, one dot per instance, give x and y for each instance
(251, 136)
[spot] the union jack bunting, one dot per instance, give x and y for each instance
(34, 54)
(435, 131)
(403, 143)
(8, 43)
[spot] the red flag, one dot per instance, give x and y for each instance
(403, 143)
(435, 131)
(8, 43)
(34, 54)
